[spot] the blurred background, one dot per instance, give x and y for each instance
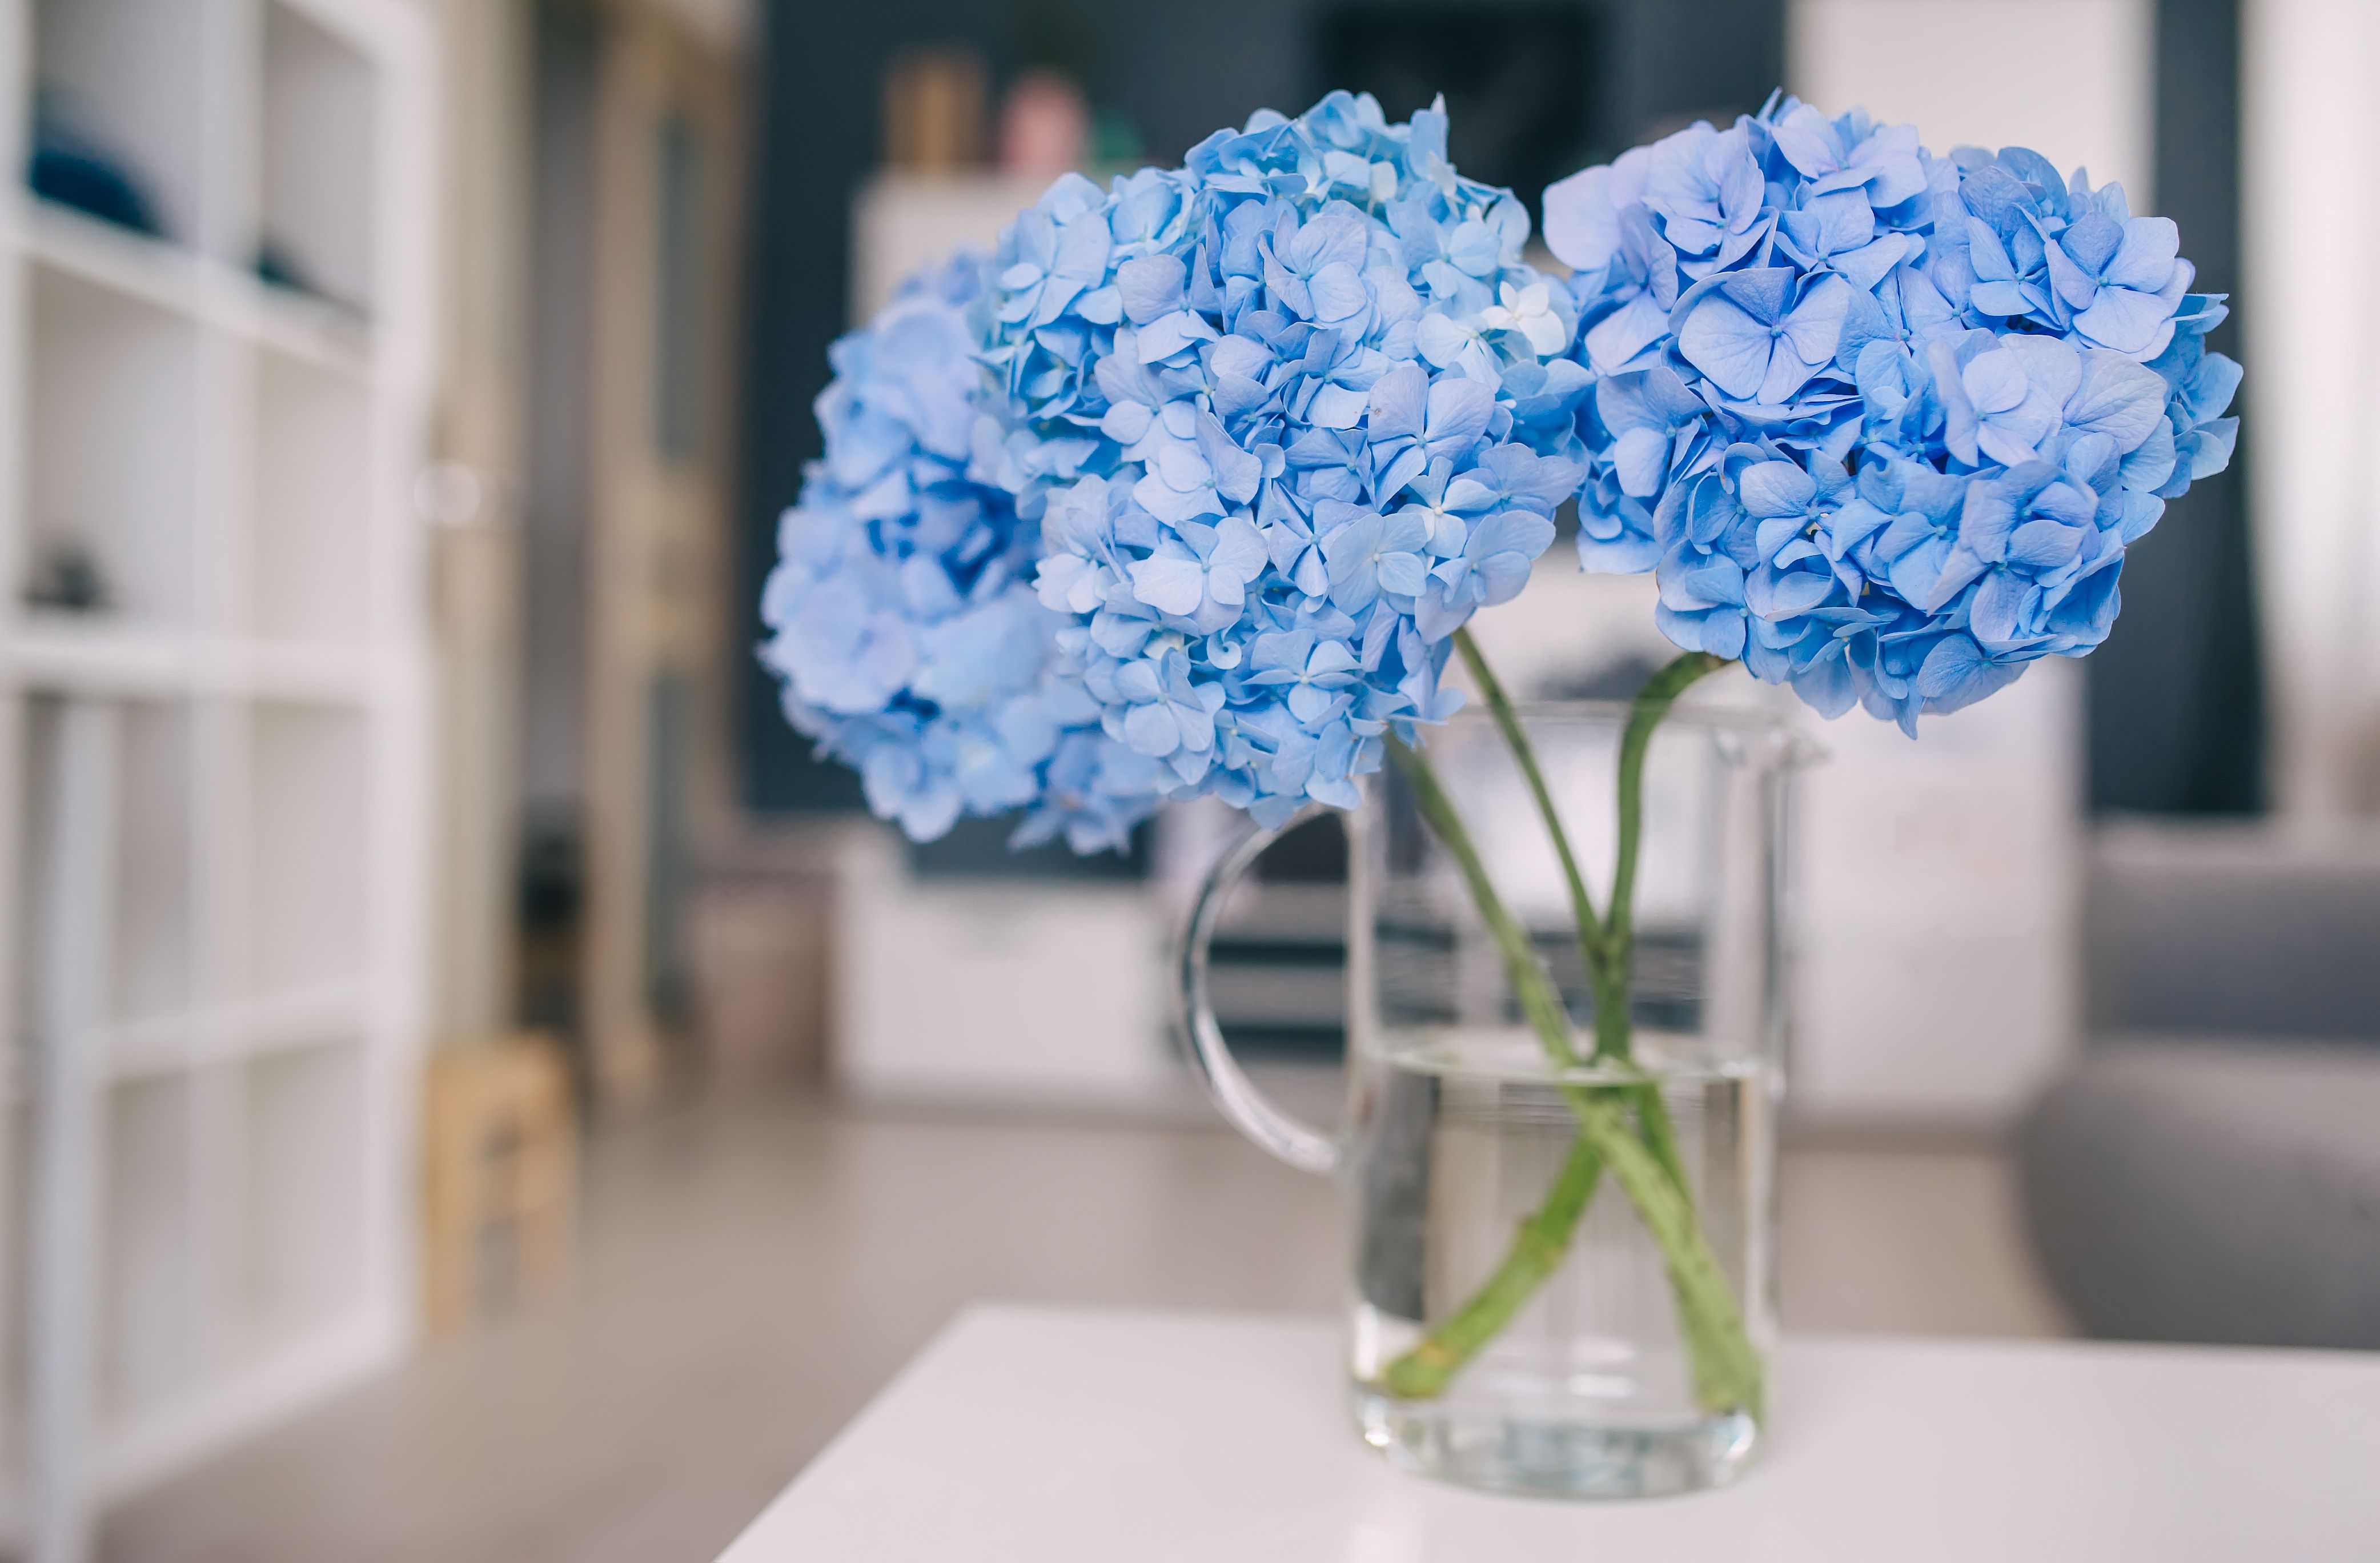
(479, 1090)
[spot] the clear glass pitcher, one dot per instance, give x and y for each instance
(1512, 1324)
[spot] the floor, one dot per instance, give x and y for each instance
(753, 1270)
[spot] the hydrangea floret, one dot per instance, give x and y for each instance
(904, 620)
(1882, 424)
(1287, 417)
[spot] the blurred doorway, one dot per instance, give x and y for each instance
(639, 125)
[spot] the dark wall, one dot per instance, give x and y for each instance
(2177, 719)
(817, 135)
(1177, 72)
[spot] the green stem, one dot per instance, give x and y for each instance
(1653, 702)
(1538, 998)
(1726, 1371)
(1508, 722)
(1609, 972)
(1660, 1136)
(1537, 1253)
(1614, 1021)
(1544, 1238)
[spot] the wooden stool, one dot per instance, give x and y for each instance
(501, 1198)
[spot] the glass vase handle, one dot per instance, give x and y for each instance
(1248, 1110)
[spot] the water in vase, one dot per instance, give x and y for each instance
(1587, 1390)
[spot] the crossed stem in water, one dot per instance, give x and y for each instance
(1647, 1163)
(1606, 948)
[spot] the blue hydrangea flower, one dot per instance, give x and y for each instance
(904, 623)
(1882, 424)
(1287, 417)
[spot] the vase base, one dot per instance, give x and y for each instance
(1547, 1456)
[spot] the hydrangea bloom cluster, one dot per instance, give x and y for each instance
(1881, 423)
(1287, 417)
(904, 624)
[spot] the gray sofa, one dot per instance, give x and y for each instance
(2210, 1169)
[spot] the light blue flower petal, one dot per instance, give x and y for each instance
(1641, 457)
(1728, 345)
(2124, 320)
(1170, 336)
(1401, 573)
(2146, 259)
(1582, 229)
(1816, 324)
(2117, 398)
(1338, 407)
(1775, 488)
(1151, 286)
(1151, 730)
(1616, 341)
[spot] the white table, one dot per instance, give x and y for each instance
(1048, 1436)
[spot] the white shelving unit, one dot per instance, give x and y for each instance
(214, 783)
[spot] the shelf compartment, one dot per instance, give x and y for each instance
(16, 1195)
(311, 545)
(34, 829)
(148, 1350)
(151, 968)
(303, 1189)
(308, 830)
(148, 956)
(122, 78)
(112, 457)
(320, 114)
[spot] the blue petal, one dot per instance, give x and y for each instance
(1169, 585)
(1151, 730)
(1614, 342)
(1775, 488)
(2144, 260)
(2124, 320)
(1728, 345)
(1337, 407)
(2117, 398)
(1170, 334)
(1399, 402)
(1641, 457)
(1580, 227)
(1151, 286)
(1459, 411)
